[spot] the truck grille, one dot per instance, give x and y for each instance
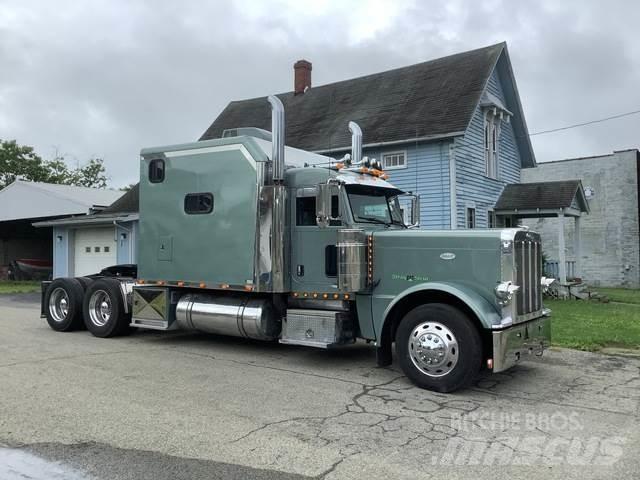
(528, 263)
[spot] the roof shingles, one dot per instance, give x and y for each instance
(428, 100)
(540, 195)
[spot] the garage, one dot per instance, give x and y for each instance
(84, 245)
(94, 249)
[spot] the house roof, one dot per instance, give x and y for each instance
(124, 209)
(24, 200)
(543, 196)
(127, 203)
(429, 100)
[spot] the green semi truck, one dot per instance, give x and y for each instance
(245, 236)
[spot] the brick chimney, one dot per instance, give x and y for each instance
(302, 76)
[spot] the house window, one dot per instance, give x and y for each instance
(491, 219)
(394, 160)
(491, 144)
(471, 217)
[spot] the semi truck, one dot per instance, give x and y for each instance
(247, 237)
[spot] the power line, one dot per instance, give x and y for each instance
(600, 120)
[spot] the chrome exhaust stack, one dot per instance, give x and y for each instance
(277, 139)
(356, 143)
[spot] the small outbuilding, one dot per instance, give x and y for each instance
(83, 245)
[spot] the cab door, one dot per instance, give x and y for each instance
(314, 262)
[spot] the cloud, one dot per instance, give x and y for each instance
(109, 78)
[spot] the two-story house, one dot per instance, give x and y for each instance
(451, 129)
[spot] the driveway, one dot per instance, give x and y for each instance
(175, 405)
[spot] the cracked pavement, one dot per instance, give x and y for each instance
(206, 404)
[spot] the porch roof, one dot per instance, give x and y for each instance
(543, 199)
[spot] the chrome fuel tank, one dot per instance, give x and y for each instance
(234, 316)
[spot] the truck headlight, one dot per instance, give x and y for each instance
(505, 292)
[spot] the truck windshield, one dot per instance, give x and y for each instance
(374, 205)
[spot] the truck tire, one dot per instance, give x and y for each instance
(103, 308)
(63, 304)
(85, 282)
(439, 348)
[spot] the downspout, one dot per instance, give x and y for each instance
(452, 187)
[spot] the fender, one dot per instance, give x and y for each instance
(482, 308)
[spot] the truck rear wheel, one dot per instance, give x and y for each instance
(439, 348)
(63, 301)
(103, 307)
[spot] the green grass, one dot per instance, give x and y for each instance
(590, 325)
(624, 295)
(18, 287)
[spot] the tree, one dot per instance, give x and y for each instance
(19, 161)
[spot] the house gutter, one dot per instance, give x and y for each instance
(86, 220)
(426, 138)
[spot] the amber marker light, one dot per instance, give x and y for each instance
(325, 295)
(140, 282)
(295, 294)
(160, 282)
(315, 295)
(336, 296)
(224, 286)
(202, 285)
(180, 284)
(305, 294)
(347, 296)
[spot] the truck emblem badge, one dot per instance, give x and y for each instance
(447, 256)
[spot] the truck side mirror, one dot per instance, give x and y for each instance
(323, 203)
(415, 211)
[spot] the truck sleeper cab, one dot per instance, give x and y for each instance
(243, 236)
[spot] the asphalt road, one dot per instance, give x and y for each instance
(175, 405)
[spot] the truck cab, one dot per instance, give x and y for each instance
(245, 236)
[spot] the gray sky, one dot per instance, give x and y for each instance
(107, 78)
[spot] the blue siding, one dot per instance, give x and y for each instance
(473, 187)
(427, 174)
(127, 242)
(62, 251)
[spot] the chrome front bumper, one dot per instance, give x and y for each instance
(521, 341)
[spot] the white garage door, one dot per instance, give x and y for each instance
(95, 248)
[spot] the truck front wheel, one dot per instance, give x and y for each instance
(103, 307)
(439, 348)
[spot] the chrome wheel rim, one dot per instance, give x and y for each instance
(99, 308)
(433, 349)
(59, 305)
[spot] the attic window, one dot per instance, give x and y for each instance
(491, 143)
(394, 160)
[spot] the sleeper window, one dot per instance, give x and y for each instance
(156, 170)
(198, 203)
